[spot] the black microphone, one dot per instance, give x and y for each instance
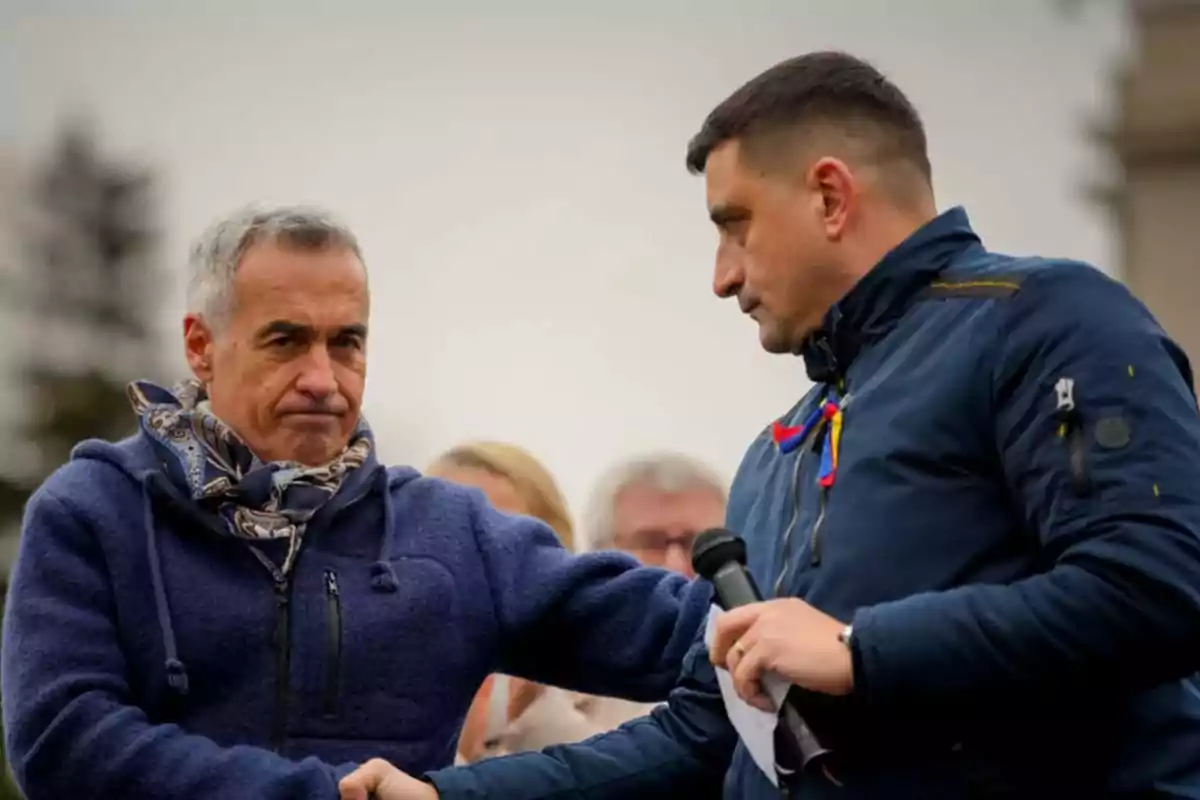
(719, 556)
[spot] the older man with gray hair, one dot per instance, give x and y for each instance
(653, 506)
(240, 601)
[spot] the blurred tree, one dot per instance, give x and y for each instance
(83, 298)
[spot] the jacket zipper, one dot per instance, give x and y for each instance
(333, 641)
(283, 645)
(815, 536)
(791, 527)
(283, 641)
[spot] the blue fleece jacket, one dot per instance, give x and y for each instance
(146, 655)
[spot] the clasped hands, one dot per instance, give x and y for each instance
(787, 637)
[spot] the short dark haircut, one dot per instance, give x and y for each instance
(828, 87)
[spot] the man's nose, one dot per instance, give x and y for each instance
(316, 376)
(679, 558)
(727, 273)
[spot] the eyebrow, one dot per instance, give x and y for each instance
(282, 327)
(354, 330)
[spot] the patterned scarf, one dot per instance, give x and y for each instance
(255, 500)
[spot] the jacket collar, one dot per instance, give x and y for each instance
(874, 305)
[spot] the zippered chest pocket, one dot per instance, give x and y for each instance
(799, 546)
(333, 643)
(389, 649)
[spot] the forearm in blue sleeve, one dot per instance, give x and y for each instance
(681, 750)
(598, 623)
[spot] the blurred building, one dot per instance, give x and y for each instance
(12, 198)
(9, 193)
(13, 210)
(1156, 139)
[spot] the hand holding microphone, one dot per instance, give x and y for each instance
(769, 646)
(757, 639)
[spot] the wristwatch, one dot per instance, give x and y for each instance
(847, 635)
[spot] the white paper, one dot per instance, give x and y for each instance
(755, 727)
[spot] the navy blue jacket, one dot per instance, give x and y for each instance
(1021, 564)
(147, 655)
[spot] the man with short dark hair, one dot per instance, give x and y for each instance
(979, 529)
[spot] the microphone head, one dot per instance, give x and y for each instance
(714, 548)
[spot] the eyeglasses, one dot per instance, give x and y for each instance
(658, 542)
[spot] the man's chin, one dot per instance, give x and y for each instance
(773, 342)
(314, 448)
(316, 456)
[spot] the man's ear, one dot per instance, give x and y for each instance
(198, 346)
(833, 183)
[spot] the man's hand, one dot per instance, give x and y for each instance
(787, 637)
(379, 780)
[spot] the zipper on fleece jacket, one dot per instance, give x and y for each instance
(283, 659)
(333, 642)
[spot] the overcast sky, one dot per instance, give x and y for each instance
(541, 260)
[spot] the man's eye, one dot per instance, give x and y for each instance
(652, 543)
(352, 342)
(279, 341)
(733, 236)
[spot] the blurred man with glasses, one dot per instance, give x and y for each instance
(653, 506)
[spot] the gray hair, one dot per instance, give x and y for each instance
(663, 472)
(215, 256)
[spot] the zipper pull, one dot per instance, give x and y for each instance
(281, 614)
(331, 584)
(1071, 428)
(1064, 391)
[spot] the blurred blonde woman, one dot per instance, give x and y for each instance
(510, 714)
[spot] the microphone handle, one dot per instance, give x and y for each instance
(735, 586)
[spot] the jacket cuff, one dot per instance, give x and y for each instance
(865, 657)
(454, 783)
(858, 668)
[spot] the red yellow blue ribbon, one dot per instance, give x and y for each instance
(789, 437)
(828, 414)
